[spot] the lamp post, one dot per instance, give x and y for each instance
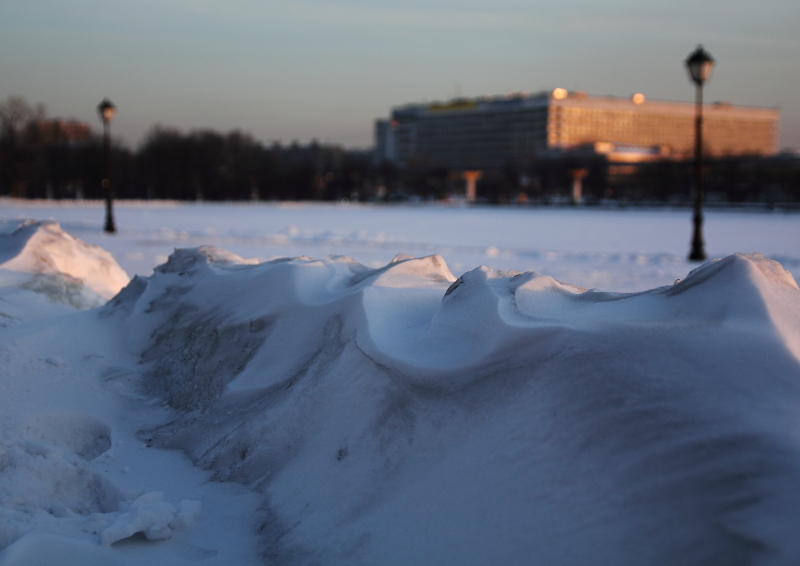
(700, 64)
(106, 110)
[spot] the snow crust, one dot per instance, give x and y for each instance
(403, 415)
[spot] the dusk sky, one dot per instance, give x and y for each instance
(317, 69)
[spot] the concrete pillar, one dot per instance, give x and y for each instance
(472, 180)
(577, 184)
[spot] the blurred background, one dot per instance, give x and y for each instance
(279, 99)
(560, 118)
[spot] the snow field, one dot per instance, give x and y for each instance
(396, 414)
(615, 250)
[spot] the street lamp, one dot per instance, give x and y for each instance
(106, 111)
(700, 64)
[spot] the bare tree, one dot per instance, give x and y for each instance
(16, 113)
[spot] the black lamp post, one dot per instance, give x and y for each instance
(106, 110)
(700, 64)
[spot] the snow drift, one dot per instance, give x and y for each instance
(401, 415)
(49, 261)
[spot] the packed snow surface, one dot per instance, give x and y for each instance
(401, 414)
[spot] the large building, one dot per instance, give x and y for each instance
(496, 132)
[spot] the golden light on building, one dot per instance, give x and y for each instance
(487, 133)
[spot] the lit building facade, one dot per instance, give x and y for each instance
(497, 132)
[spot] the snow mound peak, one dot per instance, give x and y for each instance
(187, 259)
(43, 248)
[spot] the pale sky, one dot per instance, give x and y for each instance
(318, 69)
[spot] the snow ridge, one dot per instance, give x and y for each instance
(490, 418)
(397, 415)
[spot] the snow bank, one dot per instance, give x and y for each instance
(66, 269)
(401, 415)
(398, 415)
(71, 471)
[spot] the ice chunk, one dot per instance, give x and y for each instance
(149, 515)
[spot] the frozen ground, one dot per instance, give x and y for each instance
(619, 250)
(223, 410)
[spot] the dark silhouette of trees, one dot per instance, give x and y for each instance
(206, 165)
(52, 158)
(17, 144)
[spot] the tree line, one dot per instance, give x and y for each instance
(47, 158)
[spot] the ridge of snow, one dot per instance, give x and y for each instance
(399, 415)
(490, 418)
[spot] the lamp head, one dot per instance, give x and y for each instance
(106, 110)
(700, 63)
